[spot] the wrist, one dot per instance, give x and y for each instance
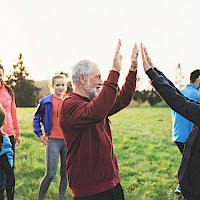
(134, 69)
(114, 69)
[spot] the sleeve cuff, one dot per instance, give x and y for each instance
(113, 77)
(151, 73)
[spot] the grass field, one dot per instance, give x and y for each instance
(147, 157)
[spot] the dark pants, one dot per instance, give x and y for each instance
(115, 193)
(7, 173)
(12, 140)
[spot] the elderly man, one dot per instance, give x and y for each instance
(92, 168)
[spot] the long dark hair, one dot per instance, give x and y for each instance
(8, 88)
(2, 119)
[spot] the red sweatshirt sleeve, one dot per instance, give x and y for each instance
(79, 113)
(125, 95)
(14, 117)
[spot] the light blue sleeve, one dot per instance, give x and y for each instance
(7, 149)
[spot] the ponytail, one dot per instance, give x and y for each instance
(10, 90)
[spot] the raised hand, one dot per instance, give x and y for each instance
(117, 65)
(134, 56)
(146, 64)
(148, 58)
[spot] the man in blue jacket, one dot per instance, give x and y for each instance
(181, 126)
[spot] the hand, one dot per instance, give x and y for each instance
(148, 58)
(117, 65)
(134, 56)
(146, 64)
(43, 139)
(17, 140)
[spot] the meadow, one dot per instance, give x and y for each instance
(147, 157)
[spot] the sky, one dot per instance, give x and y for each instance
(54, 35)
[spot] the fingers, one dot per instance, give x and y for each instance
(17, 141)
(45, 141)
(145, 63)
(135, 52)
(142, 53)
(148, 58)
(117, 58)
(134, 56)
(118, 47)
(120, 57)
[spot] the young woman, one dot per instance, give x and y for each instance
(7, 100)
(46, 113)
(6, 162)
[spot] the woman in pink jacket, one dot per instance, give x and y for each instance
(7, 100)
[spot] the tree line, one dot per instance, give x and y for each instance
(27, 94)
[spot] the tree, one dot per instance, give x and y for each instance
(147, 95)
(26, 93)
(180, 81)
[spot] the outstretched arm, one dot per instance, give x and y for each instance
(79, 113)
(125, 95)
(186, 107)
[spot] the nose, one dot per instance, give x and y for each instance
(100, 82)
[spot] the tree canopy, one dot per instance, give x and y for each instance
(26, 93)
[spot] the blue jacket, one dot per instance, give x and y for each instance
(7, 149)
(43, 114)
(181, 126)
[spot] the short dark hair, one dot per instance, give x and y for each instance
(194, 75)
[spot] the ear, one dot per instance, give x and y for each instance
(83, 79)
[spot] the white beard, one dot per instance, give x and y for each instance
(91, 91)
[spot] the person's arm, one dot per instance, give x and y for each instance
(80, 113)
(37, 120)
(125, 95)
(15, 122)
(186, 107)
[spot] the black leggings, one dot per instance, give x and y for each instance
(115, 193)
(8, 172)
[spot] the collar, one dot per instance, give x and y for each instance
(193, 86)
(82, 97)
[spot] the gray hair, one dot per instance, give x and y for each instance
(82, 67)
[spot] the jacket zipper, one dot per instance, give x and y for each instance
(111, 150)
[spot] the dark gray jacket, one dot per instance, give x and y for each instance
(189, 171)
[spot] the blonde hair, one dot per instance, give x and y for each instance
(56, 77)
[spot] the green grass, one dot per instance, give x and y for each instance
(147, 157)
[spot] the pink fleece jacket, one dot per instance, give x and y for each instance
(8, 104)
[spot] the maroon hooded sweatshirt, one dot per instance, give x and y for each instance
(91, 163)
